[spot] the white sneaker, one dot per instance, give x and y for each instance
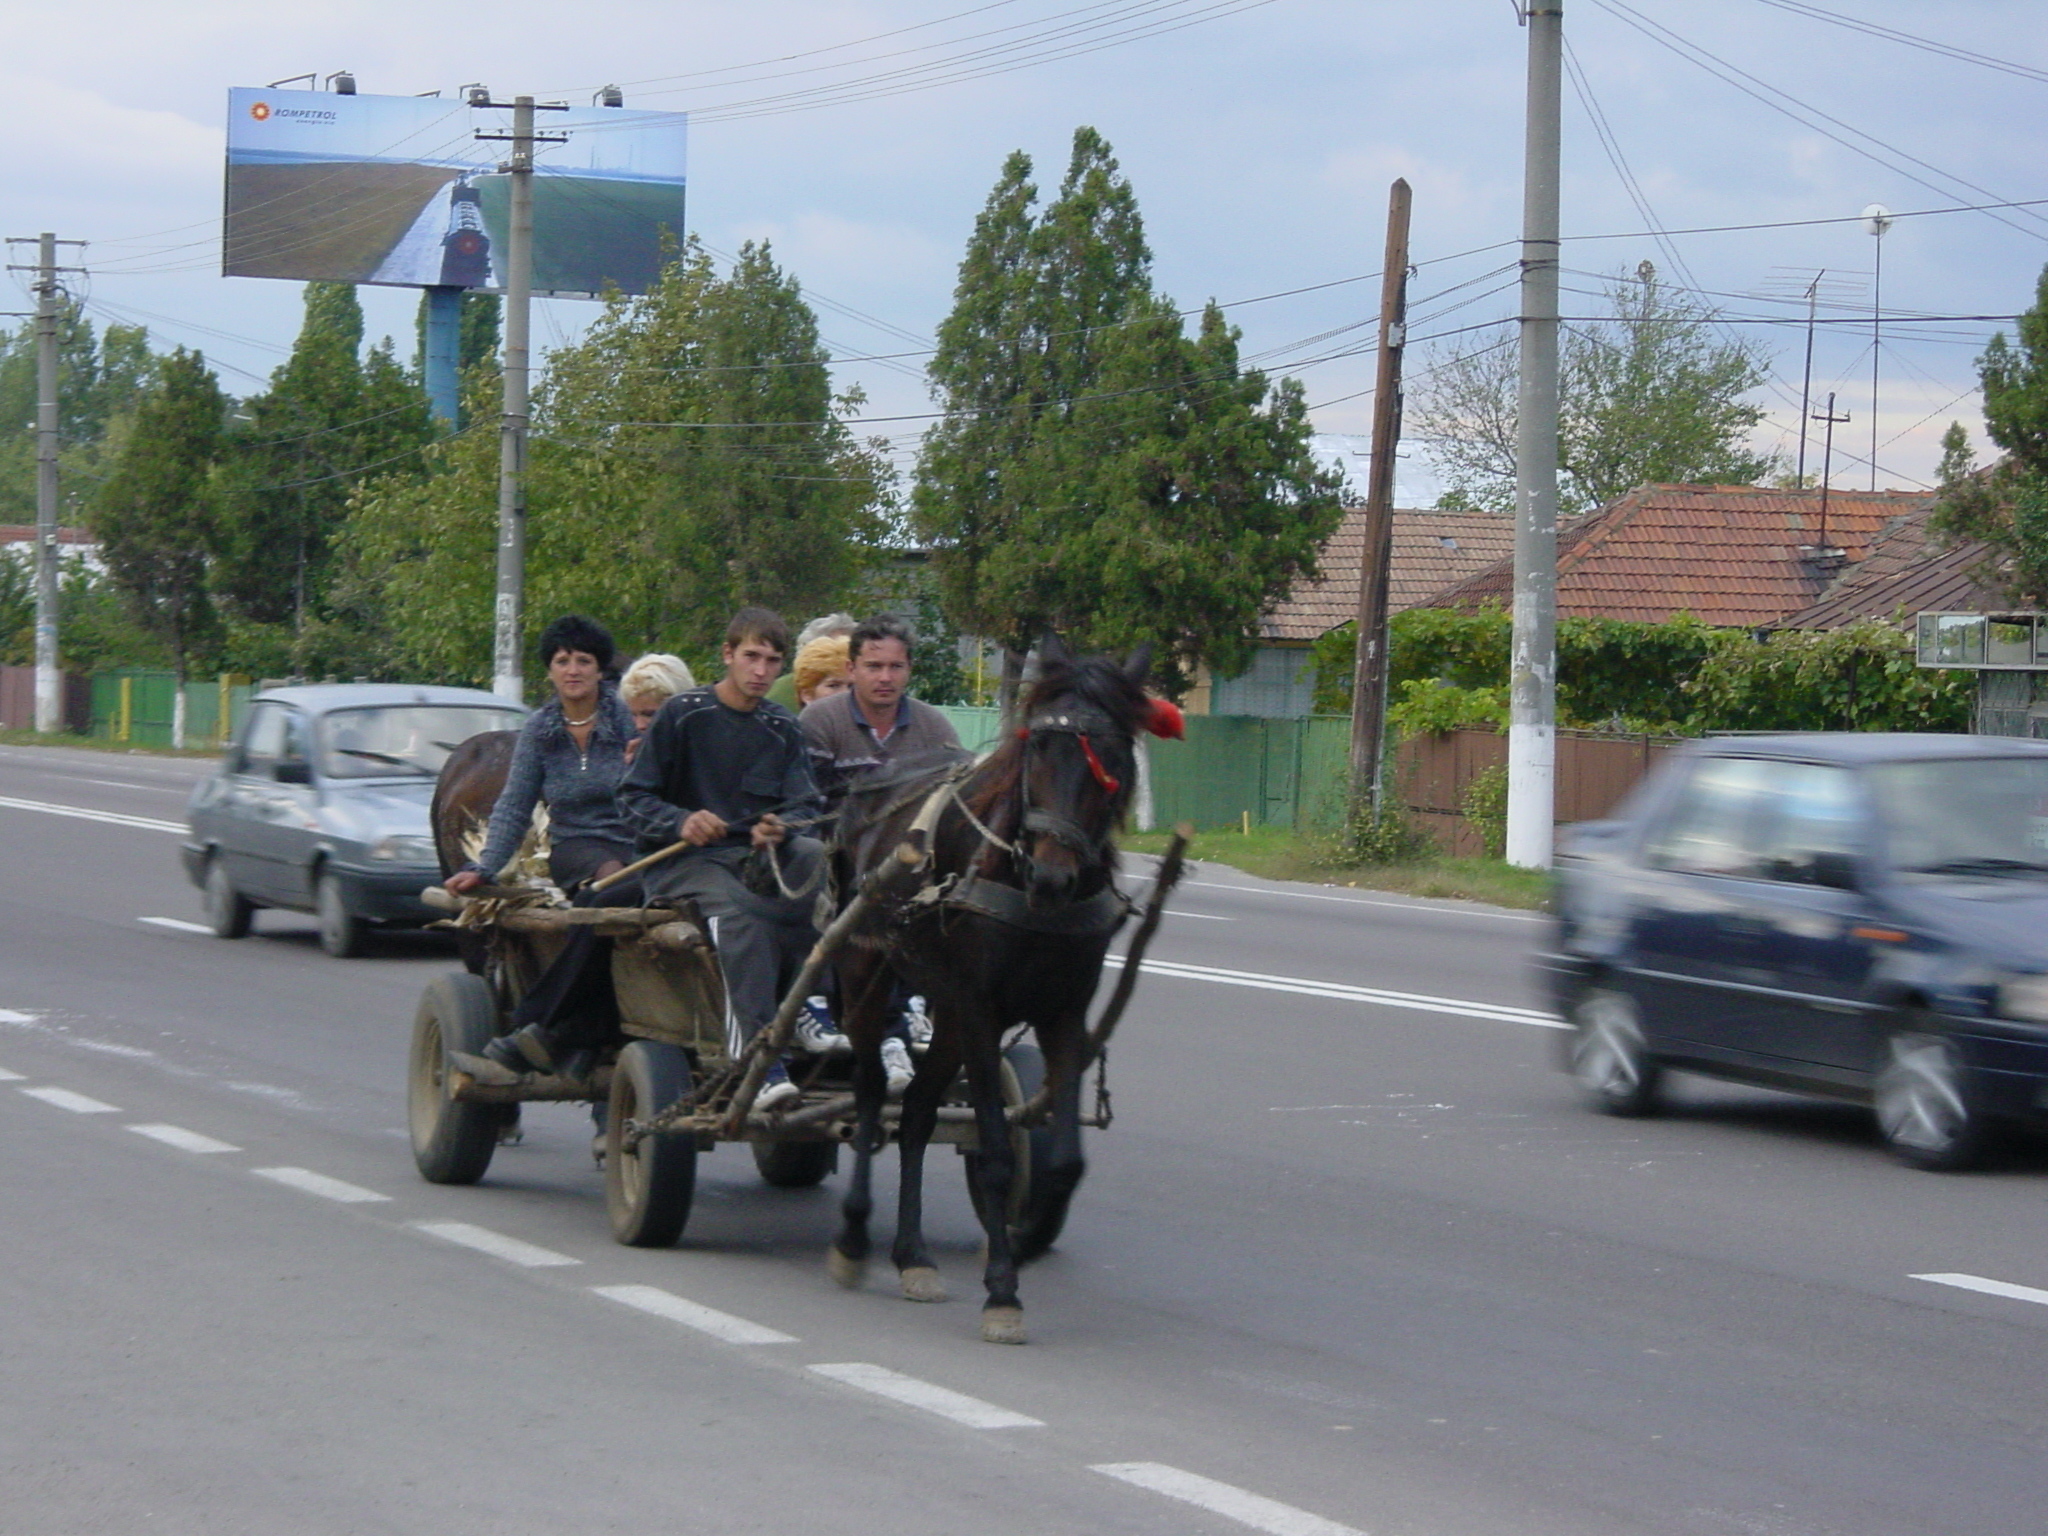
(917, 1021)
(814, 1032)
(897, 1066)
(777, 1091)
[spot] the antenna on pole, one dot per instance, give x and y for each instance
(1876, 220)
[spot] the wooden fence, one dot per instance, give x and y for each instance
(1433, 774)
(18, 700)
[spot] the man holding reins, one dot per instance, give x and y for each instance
(727, 772)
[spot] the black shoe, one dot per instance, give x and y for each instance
(523, 1051)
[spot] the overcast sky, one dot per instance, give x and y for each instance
(1261, 139)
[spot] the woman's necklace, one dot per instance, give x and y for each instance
(577, 725)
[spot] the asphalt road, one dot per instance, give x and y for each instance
(1351, 1258)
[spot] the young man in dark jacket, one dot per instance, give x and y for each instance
(726, 771)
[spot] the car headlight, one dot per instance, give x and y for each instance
(404, 850)
(2024, 997)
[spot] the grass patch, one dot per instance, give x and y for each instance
(97, 744)
(1274, 853)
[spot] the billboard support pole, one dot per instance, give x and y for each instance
(505, 668)
(441, 364)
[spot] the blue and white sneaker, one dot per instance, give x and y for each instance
(776, 1089)
(816, 1035)
(917, 1023)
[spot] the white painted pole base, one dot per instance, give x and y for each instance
(1532, 794)
(49, 700)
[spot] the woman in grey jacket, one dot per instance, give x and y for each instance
(570, 757)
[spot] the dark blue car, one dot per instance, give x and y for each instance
(1863, 916)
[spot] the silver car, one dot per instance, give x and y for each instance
(321, 805)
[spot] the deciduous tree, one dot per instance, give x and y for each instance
(1648, 394)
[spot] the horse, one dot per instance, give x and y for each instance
(1009, 926)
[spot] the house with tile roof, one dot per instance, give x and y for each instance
(1732, 555)
(1431, 549)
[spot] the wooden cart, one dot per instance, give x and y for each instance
(678, 1087)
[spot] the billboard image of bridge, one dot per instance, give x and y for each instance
(399, 190)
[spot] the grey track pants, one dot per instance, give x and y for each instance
(762, 941)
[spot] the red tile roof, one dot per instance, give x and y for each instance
(1910, 569)
(25, 533)
(1431, 549)
(1733, 555)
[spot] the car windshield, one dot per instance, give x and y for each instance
(399, 741)
(1971, 816)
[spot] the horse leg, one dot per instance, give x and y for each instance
(862, 976)
(1002, 1316)
(1053, 1186)
(920, 1277)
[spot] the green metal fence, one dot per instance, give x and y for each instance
(137, 706)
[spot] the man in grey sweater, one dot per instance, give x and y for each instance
(875, 723)
(726, 771)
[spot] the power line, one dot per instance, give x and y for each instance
(1911, 40)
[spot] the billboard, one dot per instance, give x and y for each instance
(399, 190)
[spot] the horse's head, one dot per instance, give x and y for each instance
(1079, 764)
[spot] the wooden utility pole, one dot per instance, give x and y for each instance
(1369, 676)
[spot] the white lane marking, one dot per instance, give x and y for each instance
(177, 923)
(111, 1048)
(15, 1016)
(1360, 901)
(319, 1184)
(184, 1140)
(1200, 917)
(947, 1404)
(1499, 1013)
(112, 818)
(496, 1244)
(720, 1325)
(1254, 1510)
(155, 789)
(1989, 1287)
(77, 1103)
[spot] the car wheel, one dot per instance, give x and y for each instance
(228, 911)
(1926, 1104)
(1610, 1057)
(341, 931)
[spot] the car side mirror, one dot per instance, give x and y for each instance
(294, 770)
(1835, 870)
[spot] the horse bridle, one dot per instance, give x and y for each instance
(1079, 722)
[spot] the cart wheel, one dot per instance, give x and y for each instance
(451, 1141)
(796, 1164)
(648, 1188)
(1035, 1217)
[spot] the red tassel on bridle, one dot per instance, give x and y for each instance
(1109, 781)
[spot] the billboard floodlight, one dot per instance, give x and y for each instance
(610, 96)
(342, 82)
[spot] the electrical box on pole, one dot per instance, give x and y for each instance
(1369, 677)
(1532, 682)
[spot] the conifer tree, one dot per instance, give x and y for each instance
(155, 516)
(1099, 471)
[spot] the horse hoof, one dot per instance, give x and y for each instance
(922, 1283)
(850, 1273)
(1002, 1325)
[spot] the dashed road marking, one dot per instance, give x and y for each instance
(1498, 1013)
(176, 923)
(1254, 1510)
(16, 1016)
(720, 1325)
(112, 818)
(943, 1401)
(77, 1103)
(11, 1077)
(319, 1184)
(1989, 1287)
(496, 1244)
(184, 1140)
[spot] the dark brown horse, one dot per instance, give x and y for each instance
(471, 779)
(1016, 912)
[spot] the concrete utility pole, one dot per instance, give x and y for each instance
(49, 296)
(1369, 676)
(1532, 700)
(505, 646)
